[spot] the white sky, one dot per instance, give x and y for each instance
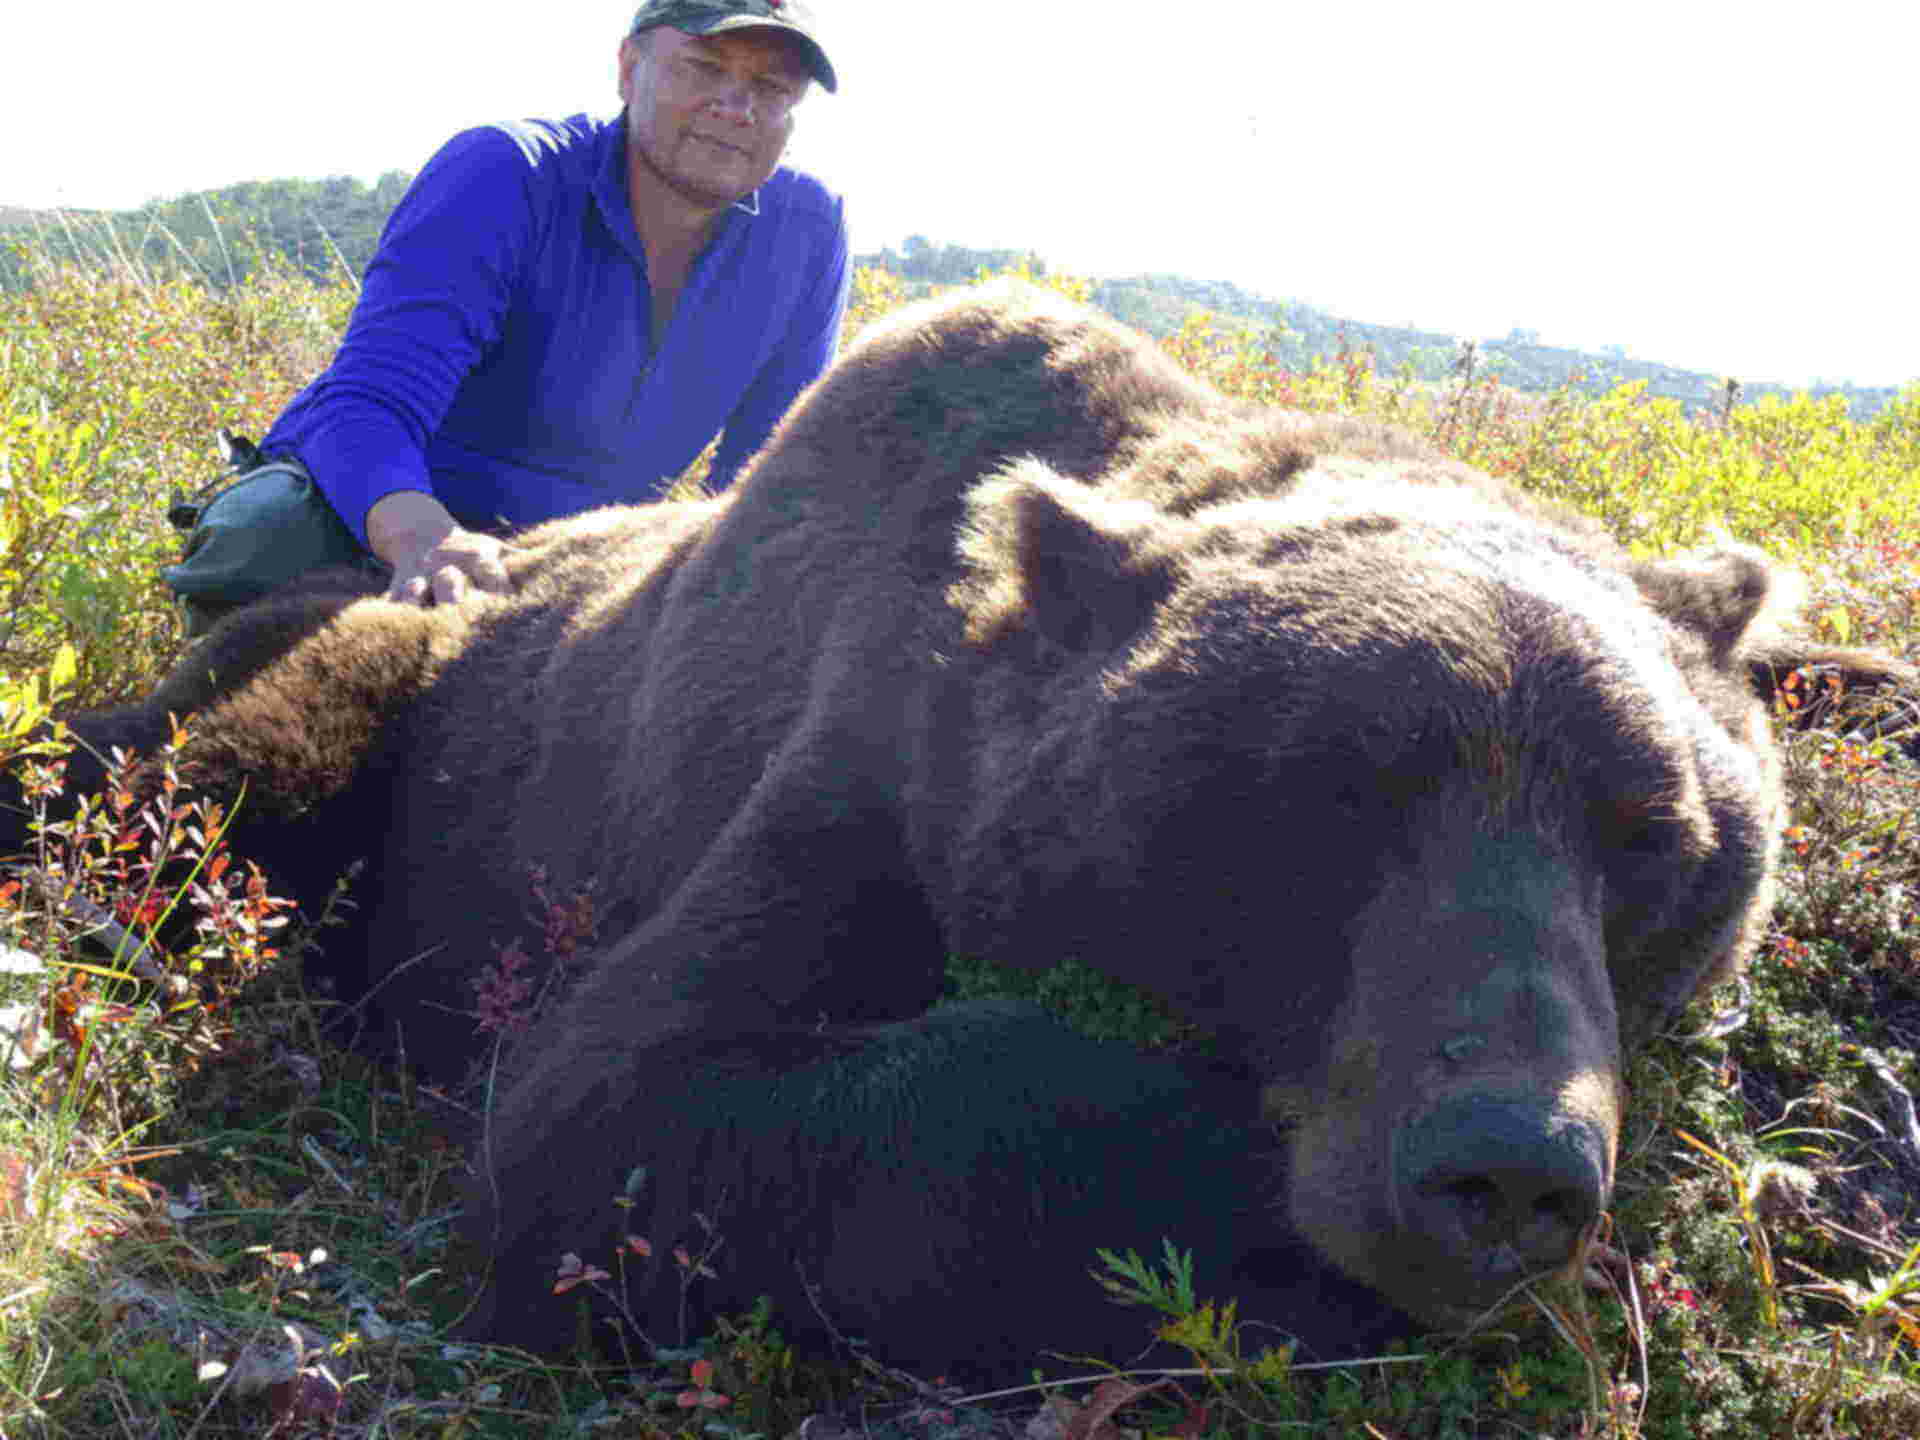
(1715, 185)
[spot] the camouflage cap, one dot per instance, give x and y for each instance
(711, 17)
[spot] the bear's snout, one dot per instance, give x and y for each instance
(1488, 1191)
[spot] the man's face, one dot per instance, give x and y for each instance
(710, 114)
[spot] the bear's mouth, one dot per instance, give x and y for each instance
(1471, 1304)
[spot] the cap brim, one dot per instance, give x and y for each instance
(817, 61)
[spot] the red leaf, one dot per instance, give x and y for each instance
(1094, 1420)
(310, 1398)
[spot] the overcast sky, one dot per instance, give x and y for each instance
(1724, 187)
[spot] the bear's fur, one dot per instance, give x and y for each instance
(1018, 642)
(934, 1188)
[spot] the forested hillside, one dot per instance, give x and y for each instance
(324, 226)
(1296, 334)
(329, 225)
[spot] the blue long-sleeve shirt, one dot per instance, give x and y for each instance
(501, 357)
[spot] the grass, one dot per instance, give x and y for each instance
(212, 1223)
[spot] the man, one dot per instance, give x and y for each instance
(562, 314)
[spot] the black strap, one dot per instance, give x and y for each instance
(243, 458)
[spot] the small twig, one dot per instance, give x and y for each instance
(339, 259)
(1838, 1231)
(311, 1149)
(1178, 1373)
(1905, 1123)
(920, 1387)
(127, 948)
(220, 239)
(1727, 1021)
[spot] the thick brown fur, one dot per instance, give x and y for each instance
(1019, 642)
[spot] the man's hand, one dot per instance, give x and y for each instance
(434, 561)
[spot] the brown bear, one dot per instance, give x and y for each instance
(1018, 642)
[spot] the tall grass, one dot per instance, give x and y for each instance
(212, 1223)
(113, 380)
(1792, 476)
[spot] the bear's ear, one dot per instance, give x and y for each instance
(1717, 594)
(1737, 602)
(1055, 558)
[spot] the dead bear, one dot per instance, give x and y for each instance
(939, 1188)
(1018, 642)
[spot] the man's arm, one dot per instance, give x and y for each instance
(435, 300)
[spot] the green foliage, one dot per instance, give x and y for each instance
(926, 266)
(112, 384)
(1502, 1380)
(1098, 1007)
(177, 931)
(1785, 474)
(1788, 475)
(225, 237)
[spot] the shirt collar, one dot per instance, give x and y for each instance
(610, 188)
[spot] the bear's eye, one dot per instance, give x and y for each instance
(1640, 828)
(1648, 841)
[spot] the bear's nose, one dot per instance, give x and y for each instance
(1501, 1189)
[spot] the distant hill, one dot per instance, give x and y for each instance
(1295, 334)
(325, 226)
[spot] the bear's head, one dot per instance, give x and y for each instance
(1434, 809)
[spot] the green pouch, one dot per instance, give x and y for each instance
(248, 533)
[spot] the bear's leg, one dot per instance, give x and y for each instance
(939, 1188)
(219, 665)
(287, 706)
(805, 912)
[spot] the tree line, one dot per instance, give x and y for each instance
(329, 228)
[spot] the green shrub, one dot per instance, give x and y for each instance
(112, 384)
